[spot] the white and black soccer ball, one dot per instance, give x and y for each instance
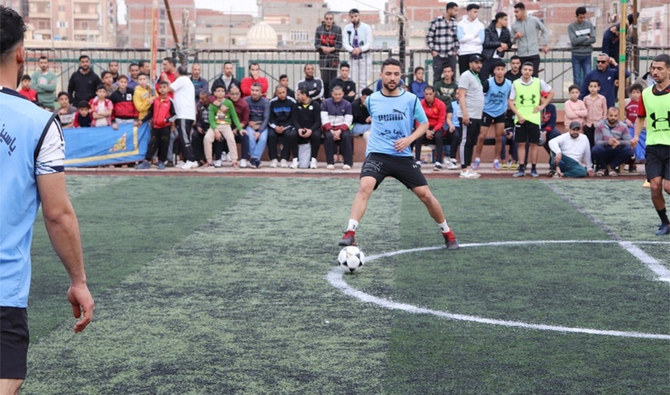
(351, 258)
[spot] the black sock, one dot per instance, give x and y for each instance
(522, 167)
(532, 167)
(663, 215)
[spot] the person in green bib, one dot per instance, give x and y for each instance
(527, 102)
(654, 110)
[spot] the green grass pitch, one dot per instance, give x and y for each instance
(219, 286)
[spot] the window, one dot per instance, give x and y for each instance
(61, 24)
(61, 8)
(299, 36)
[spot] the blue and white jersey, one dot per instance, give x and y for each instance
(495, 100)
(392, 119)
(454, 115)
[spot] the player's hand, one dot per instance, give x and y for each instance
(590, 172)
(337, 134)
(558, 157)
(466, 120)
(82, 305)
(115, 126)
(521, 119)
(401, 144)
(537, 109)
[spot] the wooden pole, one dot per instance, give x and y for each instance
(622, 60)
(154, 42)
(168, 12)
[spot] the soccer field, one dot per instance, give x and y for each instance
(220, 285)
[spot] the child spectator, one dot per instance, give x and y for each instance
(107, 79)
(596, 107)
(242, 111)
(161, 113)
(101, 107)
(201, 127)
(122, 98)
(418, 85)
(66, 112)
(631, 116)
(26, 91)
(142, 98)
(221, 115)
(575, 109)
(82, 119)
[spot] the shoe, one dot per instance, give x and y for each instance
(226, 157)
(257, 163)
(464, 174)
(283, 164)
(273, 163)
(349, 239)
(496, 165)
(189, 164)
(504, 166)
(646, 184)
(161, 166)
(217, 163)
(313, 163)
(450, 240)
(514, 166)
(143, 166)
(169, 164)
(438, 166)
(551, 173)
(475, 164)
(664, 229)
(533, 173)
(330, 167)
(179, 163)
(543, 138)
(243, 163)
(474, 175)
(294, 163)
(446, 160)
(469, 174)
(418, 162)
(613, 173)
(452, 166)
(600, 173)
(346, 167)
(519, 173)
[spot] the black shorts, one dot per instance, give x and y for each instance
(657, 161)
(527, 132)
(402, 168)
(487, 120)
(13, 342)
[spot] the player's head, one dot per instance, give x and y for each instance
(499, 69)
(660, 67)
(390, 74)
(12, 54)
(527, 70)
(168, 65)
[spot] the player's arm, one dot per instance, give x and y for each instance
(639, 123)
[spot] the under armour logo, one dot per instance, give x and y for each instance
(655, 120)
(523, 98)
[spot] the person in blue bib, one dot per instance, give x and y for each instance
(389, 154)
(32, 152)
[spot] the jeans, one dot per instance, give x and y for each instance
(256, 147)
(604, 155)
(570, 167)
(581, 66)
(360, 128)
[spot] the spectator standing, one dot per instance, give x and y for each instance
(610, 43)
(226, 79)
(83, 118)
(470, 109)
(361, 115)
(308, 125)
(442, 40)
(282, 129)
(283, 81)
(343, 80)
(328, 42)
(254, 78)
(44, 82)
(418, 84)
(122, 98)
(497, 41)
(184, 106)
(596, 109)
(83, 82)
(199, 82)
(571, 153)
(161, 114)
(25, 90)
(142, 98)
(168, 73)
(436, 112)
(102, 108)
(336, 116)
(108, 82)
(66, 111)
(607, 77)
(612, 144)
(145, 67)
(445, 89)
(357, 40)
(257, 128)
(575, 109)
(201, 127)
(313, 84)
(221, 116)
(470, 37)
(113, 67)
(514, 72)
(582, 36)
(133, 73)
(242, 111)
(529, 33)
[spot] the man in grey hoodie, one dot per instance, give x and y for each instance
(582, 35)
(529, 33)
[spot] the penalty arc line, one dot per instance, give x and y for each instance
(335, 278)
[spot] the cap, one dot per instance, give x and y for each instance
(575, 125)
(476, 58)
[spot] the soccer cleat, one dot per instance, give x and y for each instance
(349, 239)
(243, 163)
(496, 165)
(475, 164)
(143, 166)
(161, 166)
(346, 167)
(450, 240)
(519, 173)
(273, 163)
(663, 230)
(313, 163)
(294, 163)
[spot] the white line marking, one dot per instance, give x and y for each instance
(335, 278)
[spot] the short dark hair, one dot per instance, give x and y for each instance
(596, 81)
(82, 104)
(182, 70)
(83, 57)
(104, 74)
(498, 63)
(133, 64)
(354, 11)
(143, 74)
(472, 6)
(227, 62)
(514, 57)
(163, 82)
(635, 87)
(303, 91)
(418, 68)
(390, 62)
(43, 57)
(345, 64)
(499, 16)
(122, 76)
(664, 57)
(528, 64)
(281, 77)
(170, 60)
(219, 87)
(451, 5)
(25, 77)
(61, 93)
(429, 88)
(573, 86)
(142, 63)
(336, 87)
(580, 11)
(12, 28)
(451, 66)
(520, 6)
(253, 64)
(257, 85)
(366, 92)
(100, 87)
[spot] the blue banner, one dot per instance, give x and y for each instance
(105, 146)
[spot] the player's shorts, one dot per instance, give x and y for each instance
(488, 120)
(402, 168)
(13, 342)
(527, 132)
(658, 161)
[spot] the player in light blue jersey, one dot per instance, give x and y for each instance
(394, 112)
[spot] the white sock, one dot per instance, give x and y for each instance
(353, 225)
(444, 227)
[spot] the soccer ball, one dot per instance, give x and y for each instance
(351, 258)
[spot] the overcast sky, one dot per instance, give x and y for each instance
(249, 6)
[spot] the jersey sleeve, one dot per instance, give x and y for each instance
(641, 111)
(51, 156)
(419, 113)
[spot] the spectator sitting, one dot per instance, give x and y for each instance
(221, 115)
(436, 111)
(283, 81)
(612, 144)
(101, 108)
(548, 129)
(596, 109)
(26, 91)
(281, 129)
(199, 83)
(313, 84)
(254, 78)
(418, 85)
(161, 114)
(122, 98)
(348, 86)
(336, 116)
(142, 98)
(242, 111)
(362, 120)
(257, 128)
(82, 119)
(201, 127)
(227, 79)
(66, 112)
(632, 106)
(570, 153)
(107, 79)
(445, 89)
(575, 109)
(308, 125)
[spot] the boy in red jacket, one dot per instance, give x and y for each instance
(122, 98)
(26, 91)
(161, 114)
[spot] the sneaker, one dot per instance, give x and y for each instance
(180, 163)
(600, 173)
(313, 163)
(161, 166)
(330, 167)
(170, 164)
(446, 160)
(243, 163)
(452, 166)
(613, 173)
(496, 165)
(346, 167)
(469, 174)
(464, 174)
(294, 164)
(664, 229)
(450, 240)
(226, 157)
(418, 162)
(283, 164)
(475, 164)
(257, 163)
(189, 164)
(474, 175)
(438, 166)
(217, 163)
(143, 166)
(349, 239)
(533, 173)
(504, 166)
(543, 138)
(646, 184)
(519, 173)
(514, 166)
(273, 163)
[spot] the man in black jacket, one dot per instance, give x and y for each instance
(83, 82)
(281, 129)
(308, 124)
(226, 79)
(497, 41)
(313, 84)
(343, 81)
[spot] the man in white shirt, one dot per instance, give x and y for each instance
(470, 33)
(357, 40)
(184, 105)
(571, 152)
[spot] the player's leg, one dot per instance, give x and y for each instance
(658, 173)
(435, 210)
(10, 386)
(358, 206)
(498, 147)
(479, 146)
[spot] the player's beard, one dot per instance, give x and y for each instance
(390, 86)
